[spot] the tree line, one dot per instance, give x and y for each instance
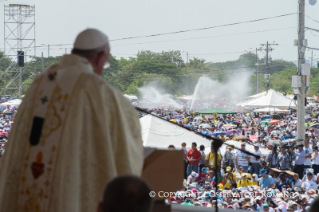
(168, 70)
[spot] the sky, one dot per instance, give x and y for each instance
(59, 21)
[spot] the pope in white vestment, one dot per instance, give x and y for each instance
(72, 134)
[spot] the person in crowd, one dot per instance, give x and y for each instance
(255, 162)
(300, 155)
(308, 152)
(202, 151)
(242, 159)
(282, 181)
(227, 159)
(243, 182)
(211, 177)
(171, 147)
(264, 166)
(229, 178)
(283, 159)
(203, 176)
(193, 157)
(314, 177)
(266, 181)
(309, 183)
(272, 158)
(210, 159)
(315, 159)
(132, 189)
(192, 178)
(222, 136)
(296, 182)
(185, 159)
(254, 181)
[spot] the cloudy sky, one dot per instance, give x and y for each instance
(59, 21)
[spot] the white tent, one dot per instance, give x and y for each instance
(270, 99)
(249, 148)
(15, 102)
(271, 110)
(256, 95)
(159, 133)
(130, 97)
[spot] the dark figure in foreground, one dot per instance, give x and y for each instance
(126, 194)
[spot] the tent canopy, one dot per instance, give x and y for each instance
(216, 110)
(15, 102)
(271, 110)
(270, 99)
(160, 134)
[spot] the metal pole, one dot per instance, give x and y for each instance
(301, 60)
(216, 174)
(20, 47)
(311, 58)
(4, 53)
(42, 62)
(267, 80)
(20, 83)
(48, 56)
(257, 86)
(187, 84)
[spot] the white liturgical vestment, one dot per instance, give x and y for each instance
(72, 134)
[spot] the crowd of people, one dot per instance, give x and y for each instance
(285, 179)
(6, 121)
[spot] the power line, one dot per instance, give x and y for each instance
(205, 28)
(312, 48)
(313, 34)
(216, 36)
(194, 38)
(312, 18)
(317, 30)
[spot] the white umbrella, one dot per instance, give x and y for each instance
(204, 125)
(275, 142)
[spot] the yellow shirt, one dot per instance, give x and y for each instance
(229, 178)
(224, 138)
(243, 183)
(210, 157)
(253, 183)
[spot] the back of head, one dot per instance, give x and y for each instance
(315, 205)
(89, 43)
(90, 39)
(127, 193)
(93, 45)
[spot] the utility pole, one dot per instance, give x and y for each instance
(257, 64)
(301, 61)
(48, 55)
(268, 49)
(42, 63)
